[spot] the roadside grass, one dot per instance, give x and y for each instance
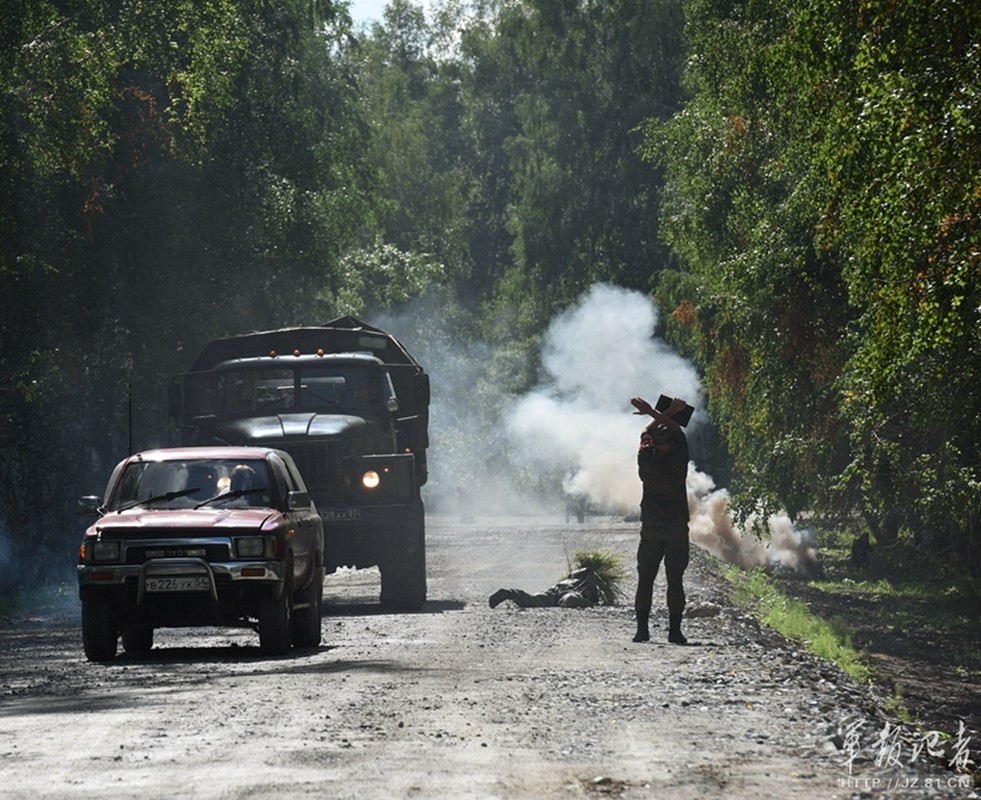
(758, 593)
(907, 588)
(906, 614)
(607, 570)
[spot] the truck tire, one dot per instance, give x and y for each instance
(138, 639)
(99, 634)
(306, 620)
(403, 572)
(274, 624)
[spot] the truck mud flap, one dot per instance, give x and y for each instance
(403, 563)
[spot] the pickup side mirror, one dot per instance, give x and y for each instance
(89, 506)
(297, 501)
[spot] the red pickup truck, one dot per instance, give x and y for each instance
(198, 536)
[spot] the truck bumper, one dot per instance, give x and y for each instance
(155, 572)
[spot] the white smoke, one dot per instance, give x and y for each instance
(712, 528)
(598, 354)
(578, 423)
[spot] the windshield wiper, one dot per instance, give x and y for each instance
(160, 498)
(221, 498)
(332, 402)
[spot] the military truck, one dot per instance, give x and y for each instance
(351, 406)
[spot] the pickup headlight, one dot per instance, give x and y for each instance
(253, 547)
(105, 551)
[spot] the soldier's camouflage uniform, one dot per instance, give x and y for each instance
(664, 526)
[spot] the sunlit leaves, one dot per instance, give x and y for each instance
(382, 277)
(829, 164)
(171, 172)
(58, 80)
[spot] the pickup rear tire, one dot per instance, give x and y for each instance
(306, 620)
(274, 624)
(99, 633)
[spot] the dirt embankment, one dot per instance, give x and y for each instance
(459, 700)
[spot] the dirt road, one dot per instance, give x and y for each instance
(457, 701)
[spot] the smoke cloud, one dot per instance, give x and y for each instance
(597, 355)
(712, 528)
(577, 425)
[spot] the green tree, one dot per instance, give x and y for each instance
(902, 159)
(171, 173)
(583, 196)
(822, 194)
(411, 94)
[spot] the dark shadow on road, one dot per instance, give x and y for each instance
(357, 609)
(204, 654)
(138, 689)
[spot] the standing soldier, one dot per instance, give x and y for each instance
(662, 462)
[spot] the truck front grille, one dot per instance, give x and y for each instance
(319, 465)
(212, 552)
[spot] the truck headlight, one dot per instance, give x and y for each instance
(105, 551)
(252, 547)
(371, 479)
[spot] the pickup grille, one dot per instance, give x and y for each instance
(212, 552)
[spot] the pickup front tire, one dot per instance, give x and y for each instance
(138, 639)
(306, 620)
(274, 624)
(99, 632)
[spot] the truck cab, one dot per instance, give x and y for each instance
(350, 405)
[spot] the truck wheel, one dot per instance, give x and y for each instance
(403, 573)
(274, 624)
(138, 639)
(99, 632)
(306, 620)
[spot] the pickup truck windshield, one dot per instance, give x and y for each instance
(190, 483)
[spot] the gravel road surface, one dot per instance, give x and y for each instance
(458, 700)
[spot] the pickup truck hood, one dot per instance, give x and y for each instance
(278, 426)
(202, 519)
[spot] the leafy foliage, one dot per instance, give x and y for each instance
(823, 196)
(151, 200)
(606, 572)
(802, 194)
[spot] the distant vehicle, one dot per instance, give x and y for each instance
(201, 536)
(351, 406)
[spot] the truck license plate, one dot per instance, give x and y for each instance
(180, 583)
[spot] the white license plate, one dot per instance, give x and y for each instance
(179, 583)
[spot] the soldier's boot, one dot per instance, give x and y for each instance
(675, 635)
(643, 632)
(498, 597)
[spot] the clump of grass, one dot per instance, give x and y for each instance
(606, 572)
(755, 591)
(896, 705)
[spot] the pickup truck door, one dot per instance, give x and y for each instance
(306, 522)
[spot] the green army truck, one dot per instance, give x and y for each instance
(351, 406)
